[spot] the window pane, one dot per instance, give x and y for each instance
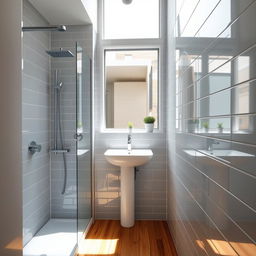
(131, 83)
(204, 18)
(140, 19)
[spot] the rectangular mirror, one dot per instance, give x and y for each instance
(131, 87)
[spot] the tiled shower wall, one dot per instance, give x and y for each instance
(65, 206)
(42, 197)
(212, 178)
(35, 124)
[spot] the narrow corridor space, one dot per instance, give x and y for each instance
(146, 238)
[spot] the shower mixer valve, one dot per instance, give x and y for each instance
(78, 136)
(33, 147)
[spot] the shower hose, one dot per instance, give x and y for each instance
(61, 142)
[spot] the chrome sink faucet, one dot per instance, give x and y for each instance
(210, 143)
(129, 140)
(129, 143)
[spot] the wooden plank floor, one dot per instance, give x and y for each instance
(146, 238)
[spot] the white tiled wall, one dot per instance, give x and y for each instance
(211, 189)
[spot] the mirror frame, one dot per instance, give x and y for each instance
(159, 83)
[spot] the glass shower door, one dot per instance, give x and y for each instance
(84, 141)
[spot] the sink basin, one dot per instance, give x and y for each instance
(121, 157)
(127, 161)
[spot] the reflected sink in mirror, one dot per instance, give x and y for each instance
(218, 153)
(226, 153)
(121, 157)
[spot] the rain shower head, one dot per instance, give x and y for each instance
(60, 53)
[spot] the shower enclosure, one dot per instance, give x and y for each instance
(84, 141)
(62, 146)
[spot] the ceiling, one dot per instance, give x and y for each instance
(62, 12)
(126, 74)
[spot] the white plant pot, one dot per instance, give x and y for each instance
(206, 130)
(220, 130)
(149, 127)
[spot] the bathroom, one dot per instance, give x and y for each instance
(128, 127)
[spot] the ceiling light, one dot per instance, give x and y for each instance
(127, 1)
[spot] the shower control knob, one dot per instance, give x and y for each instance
(78, 136)
(33, 147)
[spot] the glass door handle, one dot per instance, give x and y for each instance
(78, 136)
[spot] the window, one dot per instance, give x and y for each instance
(203, 18)
(242, 95)
(139, 19)
(133, 52)
(198, 90)
(131, 87)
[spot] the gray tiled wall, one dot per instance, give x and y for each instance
(42, 197)
(65, 206)
(211, 173)
(150, 184)
(35, 124)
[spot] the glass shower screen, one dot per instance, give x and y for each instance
(84, 140)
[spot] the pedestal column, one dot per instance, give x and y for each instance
(127, 197)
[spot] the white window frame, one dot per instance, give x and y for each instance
(135, 44)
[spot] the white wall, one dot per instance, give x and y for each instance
(10, 129)
(130, 104)
(91, 8)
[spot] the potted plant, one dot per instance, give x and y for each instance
(130, 126)
(220, 127)
(149, 123)
(205, 125)
(193, 125)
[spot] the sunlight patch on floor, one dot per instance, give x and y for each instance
(244, 248)
(98, 246)
(231, 248)
(200, 244)
(15, 244)
(221, 247)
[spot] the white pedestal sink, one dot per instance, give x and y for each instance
(127, 161)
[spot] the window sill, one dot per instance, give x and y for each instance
(134, 131)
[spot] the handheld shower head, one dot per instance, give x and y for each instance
(59, 86)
